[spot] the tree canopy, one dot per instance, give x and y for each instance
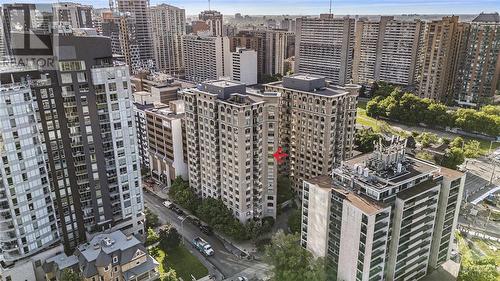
(410, 109)
(291, 262)
(365, 140)
(215, 213)
(169, 237)
(475, 269)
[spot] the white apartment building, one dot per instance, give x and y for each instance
(382, 216)
(28, 222)
(244, 66)
(231, 137)
(206, 58)
(168, 25)
(386, 50)
(318, 121)
(126, 191)
(324, 47)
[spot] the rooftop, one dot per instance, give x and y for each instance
(487, 17)
(63, 261)
(107, 243)
(309, 83)
(450, 173)
(357, 168)
(362, 202)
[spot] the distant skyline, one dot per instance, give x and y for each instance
(315, 7)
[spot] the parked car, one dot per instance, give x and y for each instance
(177, 210)
(206, 229)
(167, 204)
(194, 220)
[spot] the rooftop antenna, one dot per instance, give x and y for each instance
(330, 6)
(209, 5)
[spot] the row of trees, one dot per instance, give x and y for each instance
(216, 214)
(410, 109)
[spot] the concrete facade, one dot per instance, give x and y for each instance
(206, 58)
(168, 25)
(317, 120)
(386, 50)
(389, 216)
(324, 46)
(167, 141)
(244, 66)
(231, 136)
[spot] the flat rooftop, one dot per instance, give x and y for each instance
(223, 83)
(360, 201)
(309, 83)
(413, 168)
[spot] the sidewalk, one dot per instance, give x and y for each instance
(157, 189)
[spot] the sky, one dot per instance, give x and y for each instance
(315, 7)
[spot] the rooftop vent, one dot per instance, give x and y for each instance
(107, 242)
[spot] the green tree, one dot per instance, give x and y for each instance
(70, 275)
(373, 107)
(152, 220)
(426, 139)
(365, 140)
(382, 89)
(291, 262)
(294, 221)
(181, 193)
(152, 237)
(474, 269)
(452, 158)
(169, 238)
(170, 275)
(457, 142)
(425, 156)
(472, 149)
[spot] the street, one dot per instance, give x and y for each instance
(223, 263)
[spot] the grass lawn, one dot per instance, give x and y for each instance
(488, 248)
(182, 261)
(365, 120)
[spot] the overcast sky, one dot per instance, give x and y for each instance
(314, 7)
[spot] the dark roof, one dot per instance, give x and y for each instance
(102, 259)
(487, 17)
(417, 189)
(89, 269)
(135, 271)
